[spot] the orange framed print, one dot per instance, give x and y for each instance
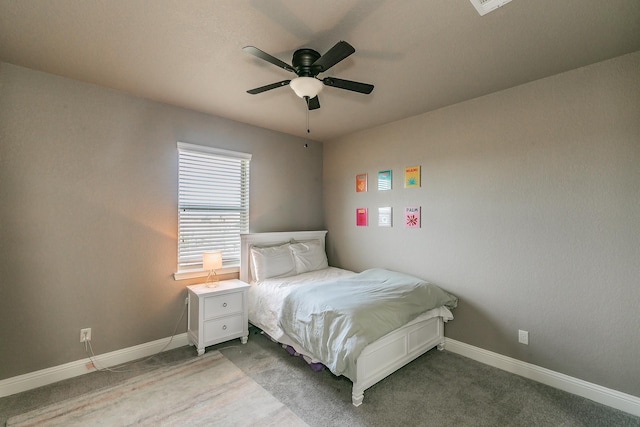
(361, 183)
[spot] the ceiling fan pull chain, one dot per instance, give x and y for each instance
(306, 98)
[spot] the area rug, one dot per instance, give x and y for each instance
(207, 390)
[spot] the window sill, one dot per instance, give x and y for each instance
(198, 272)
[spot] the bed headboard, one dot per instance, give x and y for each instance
(266, 239)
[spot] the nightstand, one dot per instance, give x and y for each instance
(217, 314)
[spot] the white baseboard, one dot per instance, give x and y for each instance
(32, 380)
(606, 396)
(615, 399)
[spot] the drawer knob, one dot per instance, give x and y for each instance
(224, 304)
(224, 327)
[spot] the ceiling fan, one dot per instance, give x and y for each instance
(307, 64)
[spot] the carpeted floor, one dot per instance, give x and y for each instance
(437, 389)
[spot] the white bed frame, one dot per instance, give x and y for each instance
(380, 358)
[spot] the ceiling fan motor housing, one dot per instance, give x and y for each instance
(303, 60)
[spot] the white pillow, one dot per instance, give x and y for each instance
(309, 256)
(273, 261)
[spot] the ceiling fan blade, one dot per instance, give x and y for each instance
(265, 56)
(336, 54)
(268, 87)
(348, 85)
(314, 103)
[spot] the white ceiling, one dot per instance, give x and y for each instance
(420, 54)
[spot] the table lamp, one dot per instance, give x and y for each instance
(212, 260)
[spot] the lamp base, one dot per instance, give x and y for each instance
(215, 282)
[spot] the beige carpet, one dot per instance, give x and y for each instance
(208, 390)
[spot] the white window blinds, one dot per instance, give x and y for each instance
(213, 203)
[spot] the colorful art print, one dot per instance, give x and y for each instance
(361, 183)
(361, 217)
(384, 180)
(412, 177)
(385, 217)
(412, 217)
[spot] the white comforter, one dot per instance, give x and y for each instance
(335, 321)
(266, 297)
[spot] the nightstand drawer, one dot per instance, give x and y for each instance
(222, 305)
(216, 329)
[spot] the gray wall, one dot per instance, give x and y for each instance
(88, 212)
(530, 214)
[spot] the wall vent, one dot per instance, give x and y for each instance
(485, 6)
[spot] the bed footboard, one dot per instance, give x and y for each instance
(393, 351)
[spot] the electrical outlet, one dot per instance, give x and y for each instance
(523, 337)
(85, 334)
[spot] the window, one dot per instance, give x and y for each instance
(213, 203)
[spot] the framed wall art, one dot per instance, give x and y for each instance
(412, 217)
(361, 217)
(385, 217)
(361, 183)
(412, 177)
(384, 180)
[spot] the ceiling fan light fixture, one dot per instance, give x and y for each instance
(306, 86)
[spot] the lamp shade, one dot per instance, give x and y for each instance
(306, 86)
(211, 260)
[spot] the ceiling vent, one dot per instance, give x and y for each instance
(485, 6)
